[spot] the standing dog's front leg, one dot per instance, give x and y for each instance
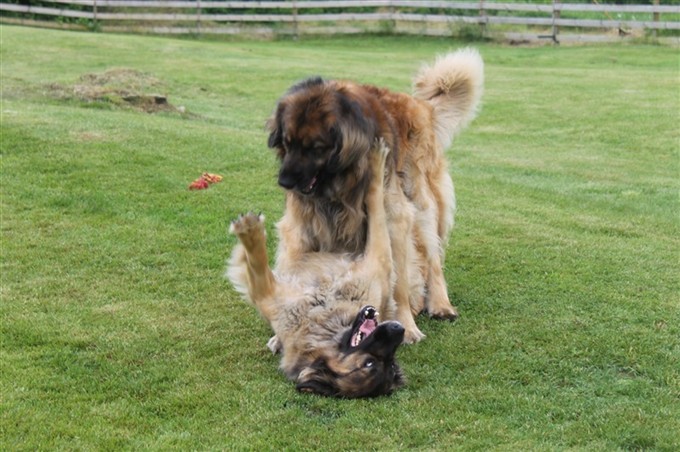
(295, 239)
(401, 213)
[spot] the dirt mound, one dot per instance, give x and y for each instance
(126, 88)
(121, 77)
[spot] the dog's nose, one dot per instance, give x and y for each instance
(287, 181)
(395, 331)
(395, 328)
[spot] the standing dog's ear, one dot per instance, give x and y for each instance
(317, 379)
(275, 127)
(334, 165)
(275, 124)
(358, 130)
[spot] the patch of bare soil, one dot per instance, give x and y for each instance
(125, 88)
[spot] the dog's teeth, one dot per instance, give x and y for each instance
(370, 313)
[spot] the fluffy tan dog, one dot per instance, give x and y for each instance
(323, 130)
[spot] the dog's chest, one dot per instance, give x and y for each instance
(337, 229)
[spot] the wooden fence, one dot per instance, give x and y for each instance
(344, 16)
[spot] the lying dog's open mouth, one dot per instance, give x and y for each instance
(365, 324)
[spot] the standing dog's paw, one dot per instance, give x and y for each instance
(444, 313)
(413, 336)
(413, 333)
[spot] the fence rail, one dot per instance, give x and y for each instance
(433, 17)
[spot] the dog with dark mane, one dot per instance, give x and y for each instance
(323, 132)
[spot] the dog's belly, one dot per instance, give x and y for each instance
(317, 311)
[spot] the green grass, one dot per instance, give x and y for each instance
(119, 331)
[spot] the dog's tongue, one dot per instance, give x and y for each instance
(368, 326)
(311, 185)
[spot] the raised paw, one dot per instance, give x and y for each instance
(246, 222)
(248, 228)
(379, 155)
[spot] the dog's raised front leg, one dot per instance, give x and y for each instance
(377, 263)
(250, 265)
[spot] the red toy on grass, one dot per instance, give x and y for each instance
(204, 181)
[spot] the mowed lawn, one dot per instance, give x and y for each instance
(120, 332)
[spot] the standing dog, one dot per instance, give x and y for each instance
(323, 130)
(330, 338)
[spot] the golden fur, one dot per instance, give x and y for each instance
(323, 131)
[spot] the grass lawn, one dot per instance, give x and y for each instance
(120, 332)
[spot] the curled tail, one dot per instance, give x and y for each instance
(453, 85)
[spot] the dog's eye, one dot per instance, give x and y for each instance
(369, 363)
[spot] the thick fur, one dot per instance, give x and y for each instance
(317, 312)
(323, 130)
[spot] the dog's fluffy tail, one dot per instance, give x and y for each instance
(454, 86)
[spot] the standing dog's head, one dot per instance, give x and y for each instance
(364, 364)
(321, 131)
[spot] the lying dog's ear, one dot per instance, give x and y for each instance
(399, 379)
(317, 379)
(320, 387)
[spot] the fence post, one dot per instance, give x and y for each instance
(198, 17)
(295, 20)
(482, 18)
(393, 21)
(94, 12)
(655, 17)
(555, 17)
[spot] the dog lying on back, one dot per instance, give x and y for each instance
(322, 313)
(323, 132)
